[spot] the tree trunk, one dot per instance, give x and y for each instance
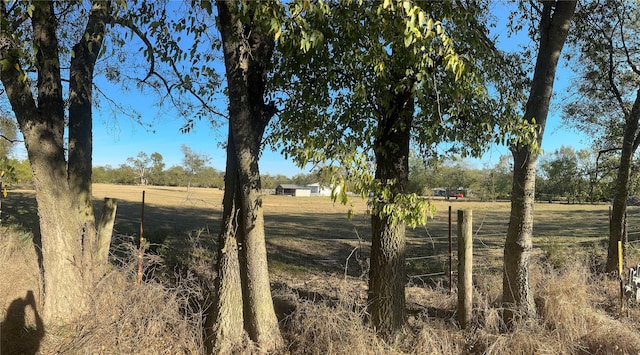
(387, 276)
(81, 140)
(517, 297)
(227, 321)
(387, 272)
(64, 232)
(630, 141)
(247, 51)
(259, 314)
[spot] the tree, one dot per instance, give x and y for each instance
(563, 174)
(602, 175)
(382, 74)
(271, 182)
(193, 163)
(8, 132)
(418, 180)
(175, 176)
(553, 27)
(244, 294)
(303, 179)
(156, 169)
(72, 248)
(457, 175)
(498, 179)
(141, 166)
(609, 97)
(21, 171)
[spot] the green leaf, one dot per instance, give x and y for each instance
(406, 4)
(206, 5)
(5, 64)
(408, 39)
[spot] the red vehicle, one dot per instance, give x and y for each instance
(456, 194)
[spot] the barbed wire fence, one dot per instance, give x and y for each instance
(430, 262)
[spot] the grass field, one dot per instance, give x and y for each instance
(313, 233)
(318, 263)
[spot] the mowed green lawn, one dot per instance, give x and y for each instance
(312, 234)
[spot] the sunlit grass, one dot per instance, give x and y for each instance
(318, 264)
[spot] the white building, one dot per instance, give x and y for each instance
(304, 190)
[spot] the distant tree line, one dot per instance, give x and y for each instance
(145, 169)
(566, 174)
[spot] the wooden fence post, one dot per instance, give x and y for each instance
(105, 231)
(465, 267)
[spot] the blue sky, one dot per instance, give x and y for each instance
(117, 137)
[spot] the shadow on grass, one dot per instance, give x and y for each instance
(160, 222)
(16, 337)
(328, 241)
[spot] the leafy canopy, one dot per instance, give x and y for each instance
(336, 95)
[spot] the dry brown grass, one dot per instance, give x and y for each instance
(322, 308)
(125, 318)
(20, 292)
(163, 315)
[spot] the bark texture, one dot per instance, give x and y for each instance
(517, 296)
(227, 320)
(617, 226)
(248, 49)
(387, 272)
(63, 188)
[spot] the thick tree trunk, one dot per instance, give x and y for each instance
(59, 227)
(260, 319)
(247, 52)
(630, 141)
(226, 327)
(63, 231)
(80, 137)
(516, 292)
(387, 276)
(517, 297)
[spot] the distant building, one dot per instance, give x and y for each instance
(293, 190)
(439, 191)
(303, 190)
(319, 190)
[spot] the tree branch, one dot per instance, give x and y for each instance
(143, 37)
(10, 140)
(190, 90)
(153, 72)
(624, 43)
(612, 83)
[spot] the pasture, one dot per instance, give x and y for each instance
(314, 234)
(318, 264)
